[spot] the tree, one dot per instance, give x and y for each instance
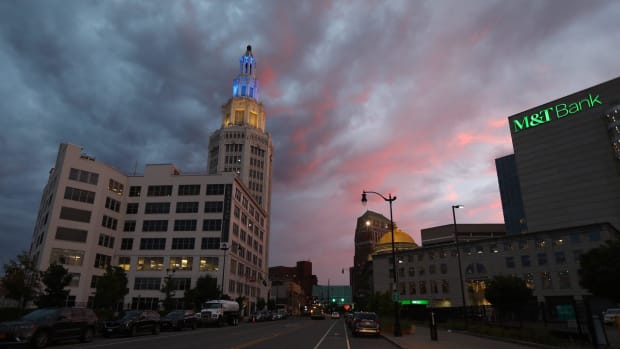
(21, 279)
(507, 293)
(111, 288)
(55, 279)
(168, 291)
(206, 289)
(599, 271)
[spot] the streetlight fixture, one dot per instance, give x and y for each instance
(223, 247)
(458, 254)
(390, 199)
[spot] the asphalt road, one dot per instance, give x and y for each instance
(296, 333)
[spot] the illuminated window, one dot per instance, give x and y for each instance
(239, 117)
(181, 263)
(211, 264)
(124, 263)
(150, 263)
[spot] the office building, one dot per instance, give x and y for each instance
(165, 224)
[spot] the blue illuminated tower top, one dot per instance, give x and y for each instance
(246, 85)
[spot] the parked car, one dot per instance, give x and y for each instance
(335, 315)
(43, 326)
(179, 319)
(366, 323)
(609, 315)
(134, 322)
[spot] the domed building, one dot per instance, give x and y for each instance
(402, 241)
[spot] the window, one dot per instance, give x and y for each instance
(190, 189)
(595, 235)
(508, 246)
(66, 256)
(126, 244)
(542, 258)
(74, 214)
(112, 204)
(75, 280)
(93, 281)
(445, 286)
(152, 243)
(422, 287)
(523, 244)
(129, 226)
(443, 268)
(575, 237)
(182, 284)
(545, 278)
(106, 241)
(185, 225)
(411, 287)
(211, 264)
(432, 269)
(237, 211)
(525, 261)
(116, 187)
(510, 262)
(134, 190)
(159, 190)
(577, 255)
(157, 207)
(215, 189)
(181, 263)
(187, 207)
(146, 283)
(183, 243)
(68, 234)
(563, 279)
(541, 243)
(132, 208)
(83, 176)
(212, 225)
(560, 257)
(109, 222)
(155, 225)
(102, 261)
(559, 241)
(214, 206)
(529, 280)
(79, 195)
(124, 262)
(210, 244)
(146, 263)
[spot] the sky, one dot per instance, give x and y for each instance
(403, 97)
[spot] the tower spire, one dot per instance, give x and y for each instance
(246, 85)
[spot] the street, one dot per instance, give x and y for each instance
(298, 333)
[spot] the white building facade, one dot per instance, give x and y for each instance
(164, 224)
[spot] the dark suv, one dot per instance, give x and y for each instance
(134, 322)
(42, 326)
(365, 323)
(179, 319)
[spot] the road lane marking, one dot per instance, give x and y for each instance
(346, 334)
(258, 340)
(325, 335)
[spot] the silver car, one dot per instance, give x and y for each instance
(609, 315)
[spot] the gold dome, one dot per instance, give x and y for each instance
(402, 241)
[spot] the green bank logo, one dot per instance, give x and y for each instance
(558, 111)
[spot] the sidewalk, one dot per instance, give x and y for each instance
(447, 339)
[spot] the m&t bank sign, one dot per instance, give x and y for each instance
(557, 111)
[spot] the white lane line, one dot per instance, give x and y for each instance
(346, 334)
(325, 335)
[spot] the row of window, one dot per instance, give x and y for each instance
(175, 263)
(181, 207)
(177, 243)
(161, 225)
(546, 281)
(183, 190)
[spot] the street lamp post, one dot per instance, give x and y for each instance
(390, 199)
(458, 254)
(223, 247)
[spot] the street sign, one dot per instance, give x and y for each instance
(395, 297)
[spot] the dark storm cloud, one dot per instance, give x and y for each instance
(405, 97)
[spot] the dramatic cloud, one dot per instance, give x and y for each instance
(403, 97)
